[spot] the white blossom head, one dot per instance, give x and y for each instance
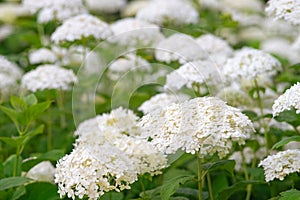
(160, 101)
(44, 171)
(281, 164)
(42, 55)
(128, 63)
(179, 47)
(131, 32)
(290, 99)
(48, 77)
(90, 171)
(81, 27)
(244, 5)
(106, 6)
(191, 73)
(288, 10)
(205, 125)
(133, 7)
(239, 157)
(55, 9)
(9, 68)
(172, 11)
(249, 64)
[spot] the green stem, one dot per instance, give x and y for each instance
(197, 90)
(199, 177)
(143, 188)
(262, 121)
(41, 33)
(49, 135)
(211, 196)
(60, 103)
(249, 187)
(17, 161)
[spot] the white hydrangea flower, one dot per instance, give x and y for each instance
(281, 47)
(133, 7)
(290, 99)
(160, 101)
(129, 62)
(179, 47)
(8, 86)
(10, 11)
(206, 125)
(9, 68)
(249, 63)
(106, 6)
(133, 32)
(171, 11)
(5, 31)
(197, 72)
(281, 164)
(279, 28)
(247, 155)
(288, 10)
(55, 9)
(245, 19)
(79, 27)
(42, 55)
(92, 170)
(48, 77)
(44, 171)
(217, 49)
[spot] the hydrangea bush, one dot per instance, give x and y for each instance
(160, 99)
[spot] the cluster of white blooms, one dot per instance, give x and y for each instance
(80, 27)
(89, 171)
(281, 164)
(217, 49)
(42, 55)
(107, 6)
(171, 11)
(244, 5)
(206, 125)
(133, 32)
(44, 171)
(179, 47)
(129, 62)
(48, 77)
(290, 99)
(249, 63)
(160, 101)
(55, 9)
(10, 73)
(197, 72)
(239, 157)
(133, 7)
(284, 9)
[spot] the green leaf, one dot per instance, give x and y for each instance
(295, 66)
(13, 141)
(36, 109)
(35, 131)
(20, 191)
(227, 165)
(292, 194)
(290, 117)
(30, 100)
(41, 190)
(11, 182)
(12, 114)
(52, 155)
(18, 104)
(240, 186)
(170, 187)
(286, 141)
(9, 166)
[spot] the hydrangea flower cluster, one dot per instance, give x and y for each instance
(290, 99)
(205, 125)
(80, 27)
(48, 77)
(106, 6)
(281, 164)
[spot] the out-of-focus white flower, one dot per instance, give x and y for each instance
(43, 171)
(290, 99)
(128, 63)
(281, 164)
(205, 125)
(42, 55)
(133, 32)
(278, 28)
(179, 47)
(80, 27)
(106, 6)
(211, 4)
(9, 12)
(281, 47)
(244, 5)
(249, 63)
(133, 7)
(171, 11)
(217, 49)
(9, 68)
(160, 101)
(55, 9)
(197, 72)
(48, 77)
(288, 10)
(239, 157)
(92, 170)
(5, 31)
(253, 33)
(245, 19)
